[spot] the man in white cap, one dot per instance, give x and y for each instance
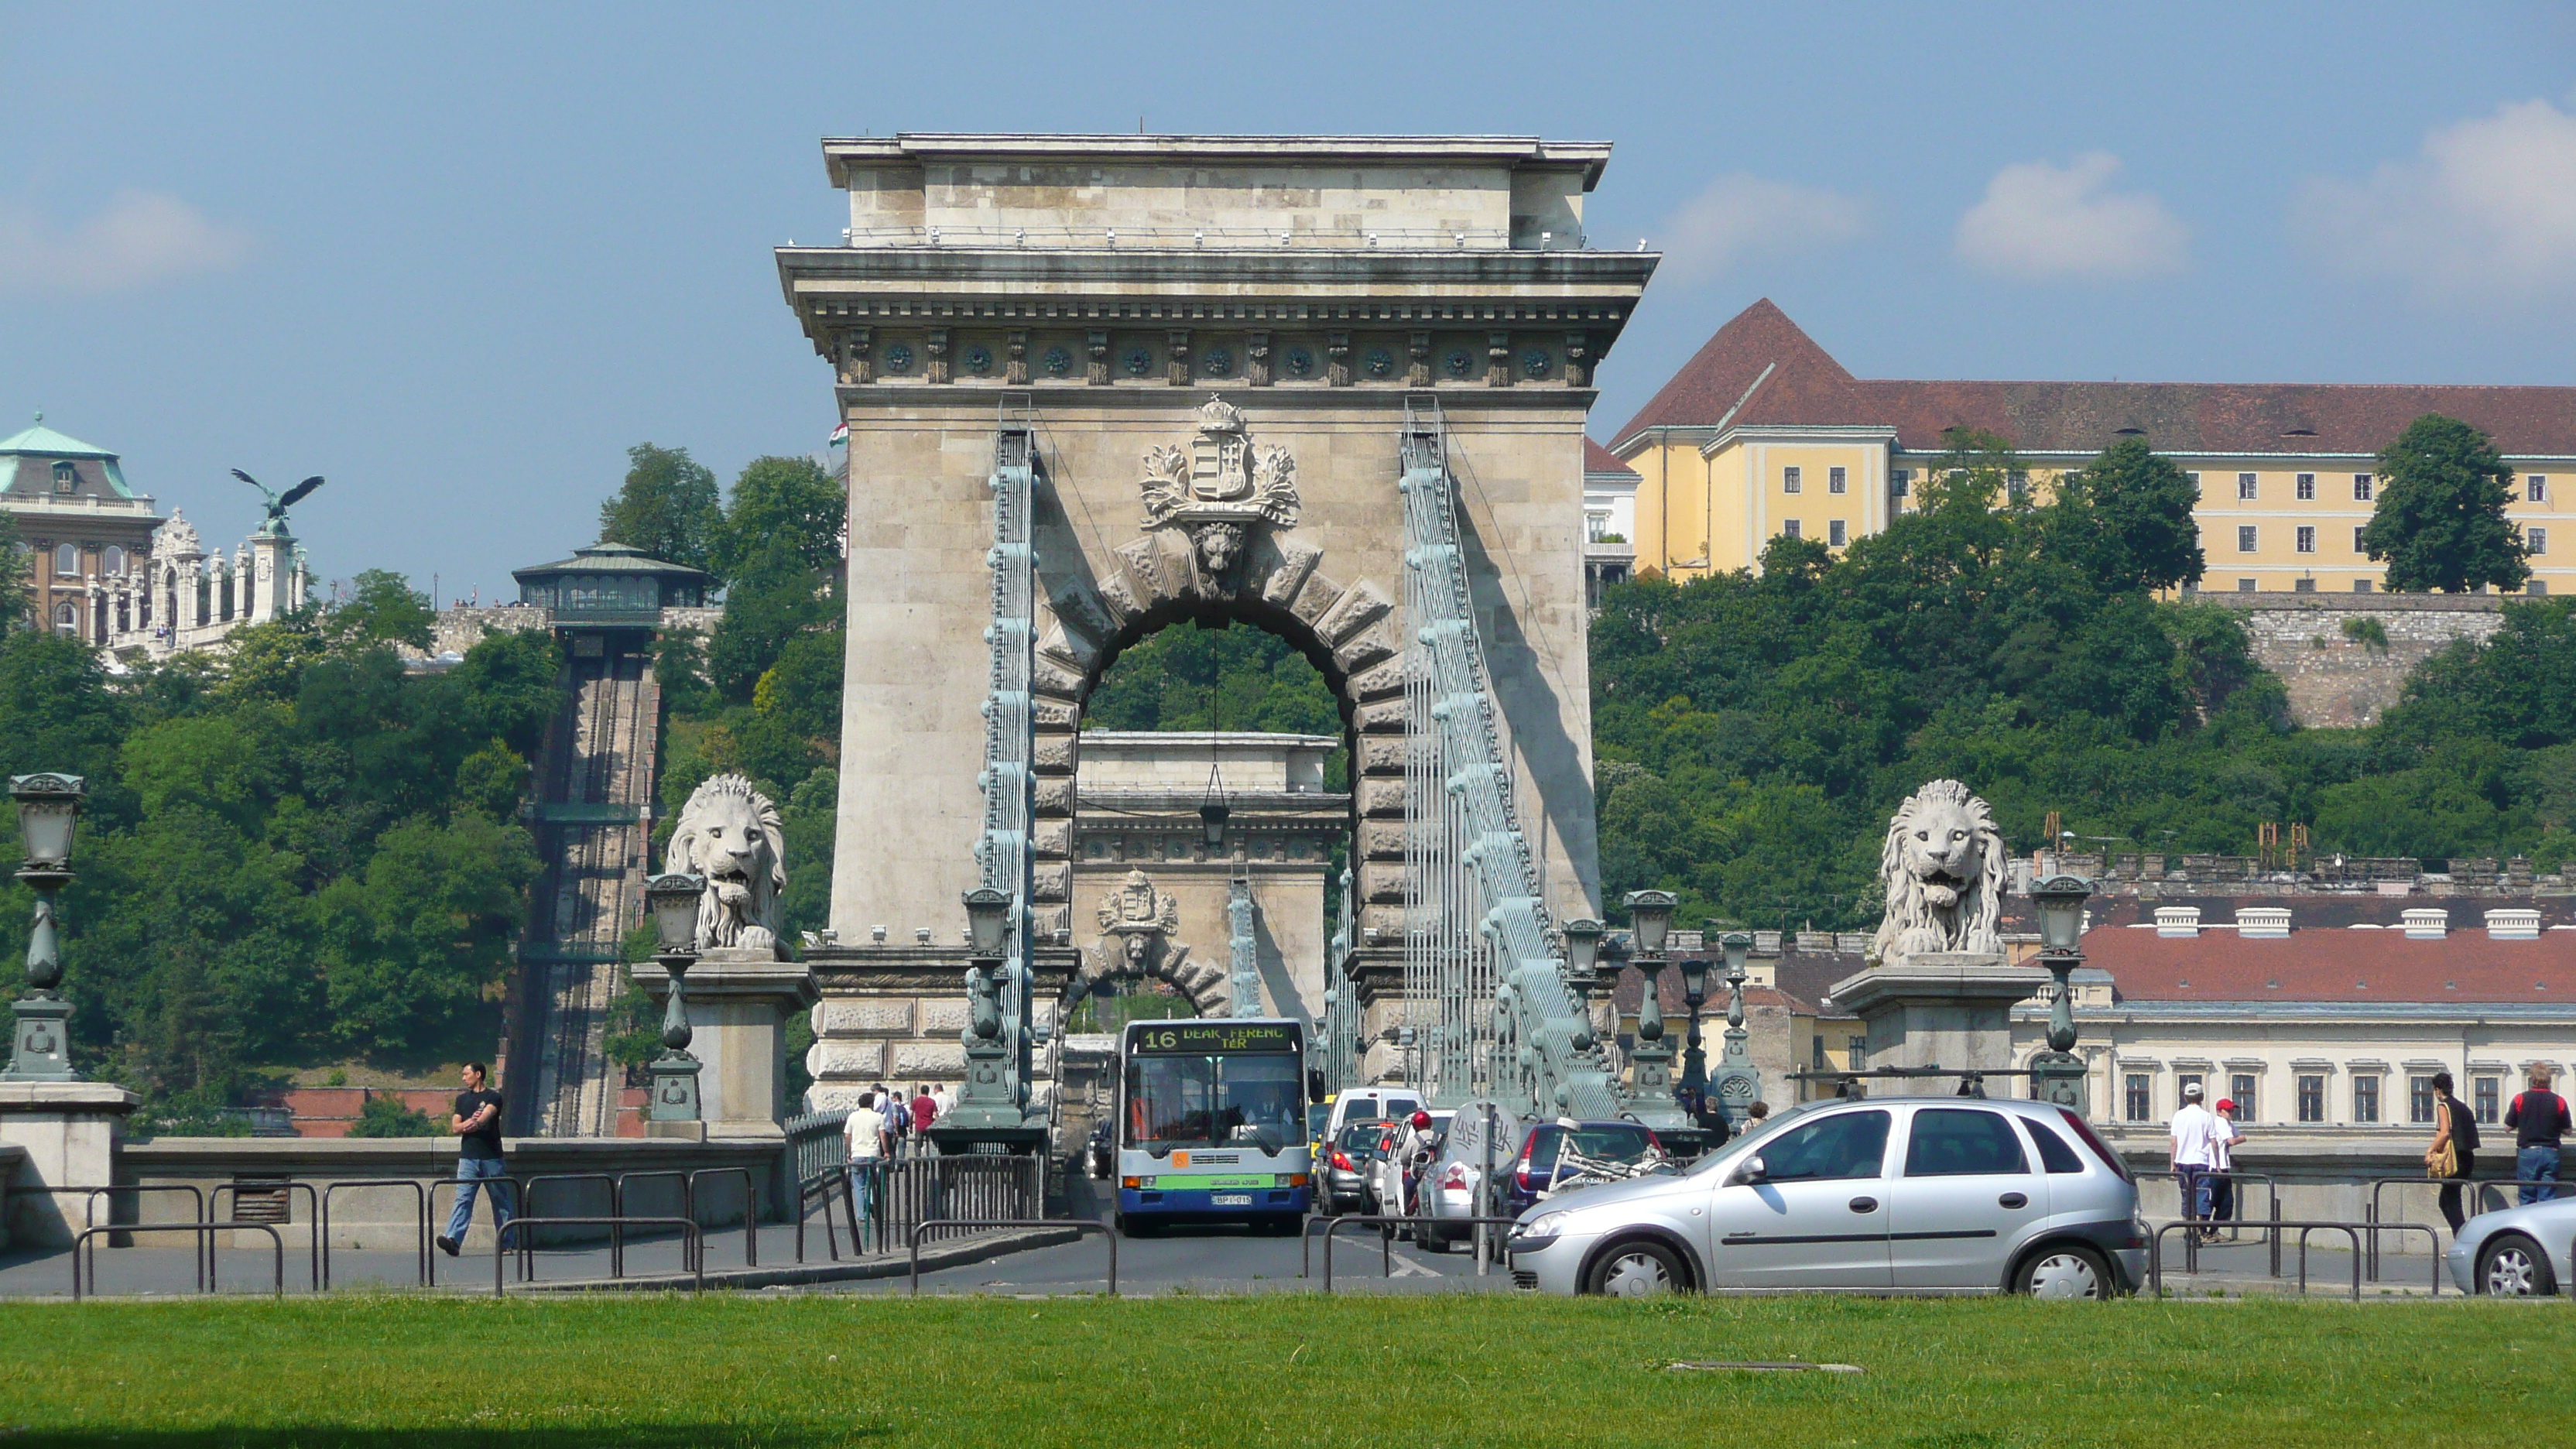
(2196, 1135)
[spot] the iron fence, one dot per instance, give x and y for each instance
(204, 1232)
(2356, 1231)
(420, 1191)
(692, 1246)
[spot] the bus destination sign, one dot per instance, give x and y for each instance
(1196, 1037)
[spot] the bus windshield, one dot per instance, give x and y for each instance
(1214, 1100)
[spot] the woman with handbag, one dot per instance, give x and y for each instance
(2453, 1156)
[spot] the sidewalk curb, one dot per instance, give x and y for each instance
(956, 1255)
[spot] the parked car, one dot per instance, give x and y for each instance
(1930, 1194)
(1341, 1174)
(1457, 1176)
(1540, 1164)
(2516, 1252)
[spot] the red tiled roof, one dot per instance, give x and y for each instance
(1598, 459)
(1806, 387)
(2335, 965)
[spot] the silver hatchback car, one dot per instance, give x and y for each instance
(1904, 1194)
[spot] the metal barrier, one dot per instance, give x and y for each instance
(518, 1199)
(692, 1247)
(806, 1191)
(943, 1190)
(2354, 1231)
(1386, 1227)
(2497, 1185)
(205, 1233)
(750, 1208)
(420, 1192)
(205, 1247)
(616, 1208)
(977, 1224)
(312, 1195)
(2272, 1214)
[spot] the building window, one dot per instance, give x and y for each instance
(1595, 525)
(1789, 480)
(115, 559)
(1837, 480)
(2245, 538)
(1789, 529)
(2307, 538)
(66, 618)
(2536, 539)
(2419, 1099)
(1858, 1049)
(1900, 483)
(2487, 1089)
(2536, 588)
(1816, 1053)
(2184, 1082)
(2365, 1098)
(2312, 1099)
(2303, 586)
(2017, 485)
(66, 480)
(2139, 1104)
(2307, 485)
(2240, 1090)
(2361, 488)
(2244, 586)
(2358, 546)
(2245, 487)
(67, 560)
(2536, 487)
(2363, 586)
(1838, 533)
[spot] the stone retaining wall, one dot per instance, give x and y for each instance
(2339, 672)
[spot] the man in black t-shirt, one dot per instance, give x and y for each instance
(477, 1124)
(2538, 1118)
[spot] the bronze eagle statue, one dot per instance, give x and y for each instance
(277, 503)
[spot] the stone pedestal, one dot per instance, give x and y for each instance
(738, 1001)
(69, 1131)
(1949, 1009)
(896, 1014)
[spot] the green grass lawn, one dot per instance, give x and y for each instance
(1186, 1372)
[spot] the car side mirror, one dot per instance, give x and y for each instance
(1750, 1170)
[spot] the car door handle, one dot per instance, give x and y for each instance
(2013, 1200)
(1864, 1204)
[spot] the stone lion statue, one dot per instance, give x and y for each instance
(1943, 867)
(729, 834)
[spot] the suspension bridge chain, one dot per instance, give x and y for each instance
(1004, 850)
(1246, 959)
(1474, 906)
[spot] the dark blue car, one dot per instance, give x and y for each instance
(1537, 1163)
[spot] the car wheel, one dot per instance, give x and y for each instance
(1636, 1270)
(2066, 1270)
(2512, 1266)
(1431, 1240)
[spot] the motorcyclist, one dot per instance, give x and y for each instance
(1415, 1147)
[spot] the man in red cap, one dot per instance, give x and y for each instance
(2222, 1161)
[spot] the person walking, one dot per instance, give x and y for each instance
(2222, 1167)
(2538, 1118)
(870, 1139)
(925, 1109)
(477, 1124)
(2195, 1134)
(2453, 1157)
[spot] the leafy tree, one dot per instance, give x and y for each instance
(383, 608)
(491, 781)
(2440, 521)
(425, 931)
(388, 1117)
(790, 500)
(668, 507)
(776, 598)
(513, 682)
(2126, 518)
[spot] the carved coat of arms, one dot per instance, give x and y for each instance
(1219, 487)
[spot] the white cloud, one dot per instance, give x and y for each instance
(137, 239)
(2039, 220)
(1740, 218)
(2487, 212)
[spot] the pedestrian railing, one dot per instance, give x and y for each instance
(1386, 1227)
(750, 1207)
(2356, 1231)
(204, 1232)
(977, 1225)
(940, 1191)
(527, 1206)
(825, 1186)
(2235, 1221)
(692, 1247)
(2495, 1186)
(420, 1192)
(287, 1187)
(205, 1247)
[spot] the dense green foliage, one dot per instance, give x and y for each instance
(1189, 677)
(293, 851)
(668, 507)
(732, 1371)
(1753, 733)
(2440, 520)
(388, 1117)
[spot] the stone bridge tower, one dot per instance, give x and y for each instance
(1216, 343)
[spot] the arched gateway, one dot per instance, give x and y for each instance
(1207, 365)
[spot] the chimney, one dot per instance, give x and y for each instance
(2177, 920)
(2513, 923)
(2271, 923)
(2428, 924)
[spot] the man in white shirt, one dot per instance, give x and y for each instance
(868, 1136)
(2196, 1135)
(2222, 1165)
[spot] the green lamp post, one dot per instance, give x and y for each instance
(672, 900)
(1650, 917)
(49, 808)
(1737, 1084)
(2057, 1074)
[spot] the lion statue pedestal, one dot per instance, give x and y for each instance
(1938, 992)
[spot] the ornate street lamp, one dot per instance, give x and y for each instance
(2057, 1074)
(48, 809)
(988, 923)
(1694, 996)
(1737, 1084)
(673, 901)
(1582, 946)
(1650, 914)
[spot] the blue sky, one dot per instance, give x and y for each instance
(459, 261)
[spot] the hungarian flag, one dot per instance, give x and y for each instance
(840, 436)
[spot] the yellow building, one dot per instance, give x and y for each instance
(1763, 433)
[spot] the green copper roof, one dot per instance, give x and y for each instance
(45, 442)
(607, 557)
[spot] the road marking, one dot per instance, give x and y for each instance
(1406, 1267)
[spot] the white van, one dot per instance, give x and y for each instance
(1371, 1104)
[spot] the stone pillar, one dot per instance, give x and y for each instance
(272, 575)
(738, 1001)
(69, 1131)
(1949, 1009)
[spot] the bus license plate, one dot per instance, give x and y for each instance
(1231, 1199)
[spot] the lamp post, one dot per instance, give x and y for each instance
(1694, 996)
(48, 809)
(1736, 1082)
(2057, 1074)
(1650, 915)
(988, 1117)
(673, 901)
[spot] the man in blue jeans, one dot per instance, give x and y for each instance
(478, 1159)
(2538, 1118)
